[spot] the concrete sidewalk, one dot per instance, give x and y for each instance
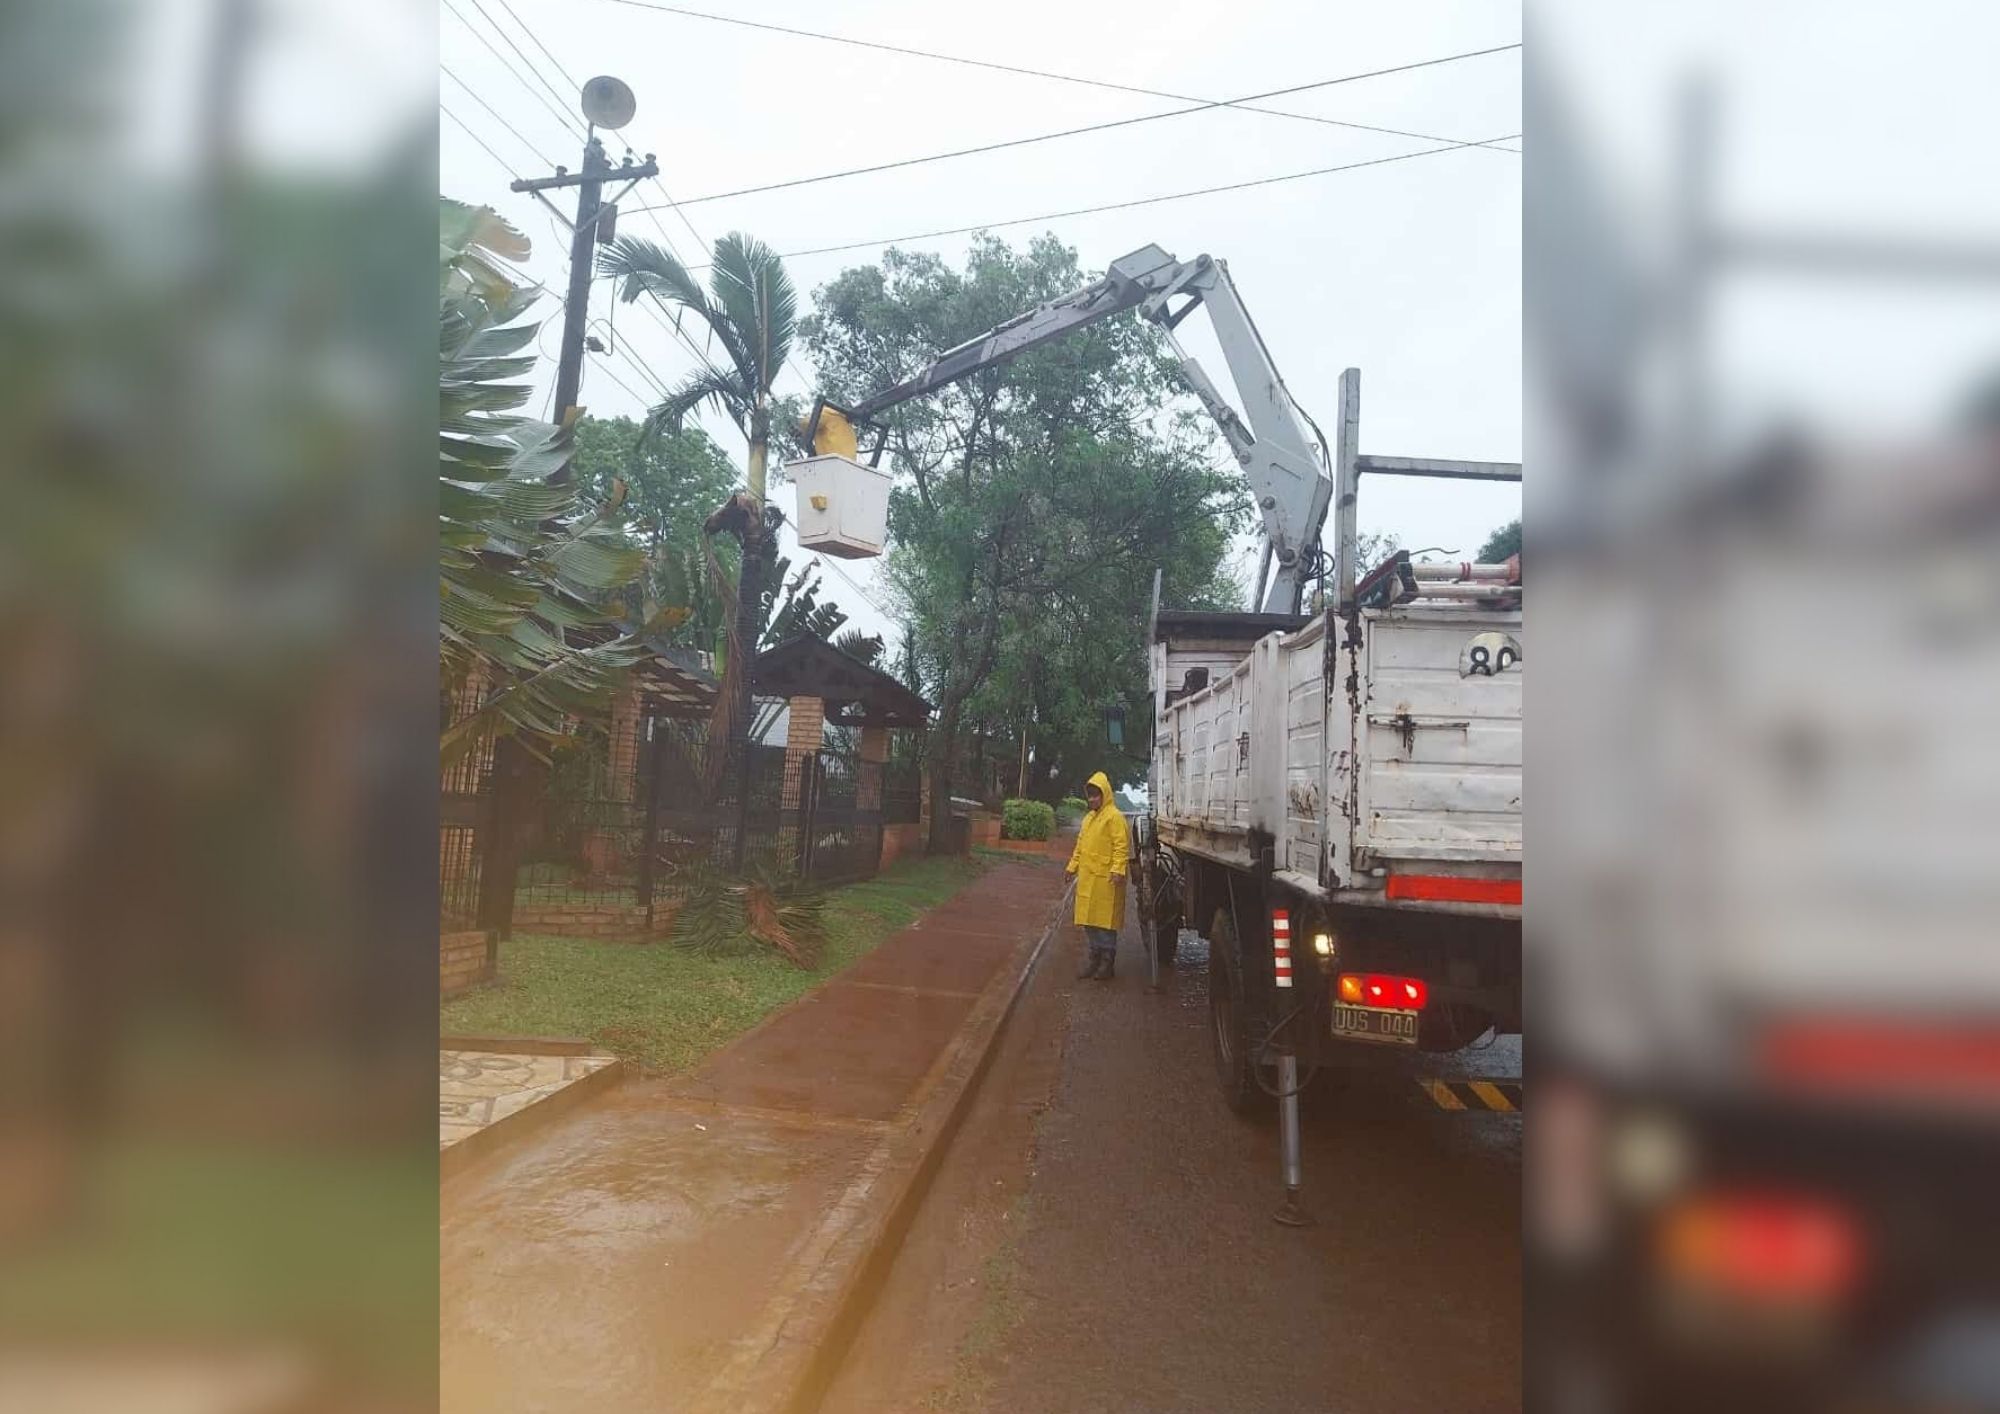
(706, 1243)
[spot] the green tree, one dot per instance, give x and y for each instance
(1039, 496)
(1502, 544)
(518, 586)
(669, 482)
(750, 311)
(672, 481)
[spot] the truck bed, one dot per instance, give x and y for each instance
(1387, 751)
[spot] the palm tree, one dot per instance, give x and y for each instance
(750, 311)
(861, 645)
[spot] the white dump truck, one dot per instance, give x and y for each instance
(1335, 796)
(1348, 783)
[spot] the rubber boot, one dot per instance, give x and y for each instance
(1089, 968)
(1107, 963)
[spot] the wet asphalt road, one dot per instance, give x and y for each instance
(1101, 1237)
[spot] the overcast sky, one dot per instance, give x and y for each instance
(1408, 271)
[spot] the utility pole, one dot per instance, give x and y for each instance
(595, 224)
(517, 781)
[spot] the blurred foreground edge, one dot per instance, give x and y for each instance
(1764, 953)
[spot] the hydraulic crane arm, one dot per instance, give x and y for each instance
(1287, 479)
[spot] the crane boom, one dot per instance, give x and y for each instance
(1288, 480)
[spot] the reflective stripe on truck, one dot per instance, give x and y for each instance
(1449, 888)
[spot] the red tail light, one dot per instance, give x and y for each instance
(1762, 1245)
(1380, 989)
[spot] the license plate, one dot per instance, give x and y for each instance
(1374, 1023)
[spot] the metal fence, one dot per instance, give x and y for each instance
(629, 819)
(465, 818)
(902, 793)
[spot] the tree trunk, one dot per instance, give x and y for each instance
(1023, 791)
(760, 448)
(749, 597)
(749, 585)
(944, 744)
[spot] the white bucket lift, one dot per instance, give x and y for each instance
(843, 506)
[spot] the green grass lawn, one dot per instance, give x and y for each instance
(178, 1241)
(664, 1008)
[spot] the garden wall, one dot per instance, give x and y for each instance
(611, 922)
(899, 840)
(465, 960)
(1054, 847)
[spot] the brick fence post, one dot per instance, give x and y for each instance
(803, 733)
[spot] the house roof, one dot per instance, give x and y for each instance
(672, 679)
(855, 693)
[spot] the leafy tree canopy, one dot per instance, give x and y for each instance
(1033, 501)
(671, 481)
(1502, 543)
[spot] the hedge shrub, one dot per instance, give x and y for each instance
(1026, 820)
(1075, 805)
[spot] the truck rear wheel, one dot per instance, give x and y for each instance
(1229, 1017)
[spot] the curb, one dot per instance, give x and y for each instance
(475, 1148)
(789, 1361)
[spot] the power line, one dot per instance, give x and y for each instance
(474, 94)
(869, 599)
(1093, 128)
(557, 94)
(650, 212)
(619, 348)
(534, 38)
(560, 116)
(508, 267)
(700, 241)
(827, 563)
(1009, 68)
(533, 68)
(1142, 201)
(672, 328)
(605, 369)
(505, 165)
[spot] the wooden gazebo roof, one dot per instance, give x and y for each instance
(673, 681)
(855, 694)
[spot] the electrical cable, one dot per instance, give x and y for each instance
(1026, 72)
(534, 38)
(1257, 1055)
(528, 280)
(608, 373)
(1122, 205)
(506, 166)
(615, 349)
(474, 94)
(554, 93)
(1063, 133)
(568, 123)
(828, 563)
(649, 212)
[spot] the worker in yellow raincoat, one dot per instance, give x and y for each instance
(1098, 861)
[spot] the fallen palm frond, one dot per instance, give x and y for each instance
(724, 915)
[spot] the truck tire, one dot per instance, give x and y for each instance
(1231, 1020)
